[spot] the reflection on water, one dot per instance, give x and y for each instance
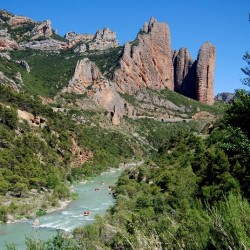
(94, 202)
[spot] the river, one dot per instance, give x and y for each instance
(94, 201)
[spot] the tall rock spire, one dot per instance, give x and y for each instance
(147, 61)
(205, 73)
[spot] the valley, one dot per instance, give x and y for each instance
(74, 107)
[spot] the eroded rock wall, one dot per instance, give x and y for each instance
(184, 73)
(147, 61)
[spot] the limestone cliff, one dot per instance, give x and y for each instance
(147, 61)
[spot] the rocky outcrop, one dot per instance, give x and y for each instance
(6, 42)
(24, 64)
(105, 95)
(81, 48)
(205, 73)
(88, 79)
(184, 73)
(147, 61)
(76, 38)
(102, 40)
(45, 45)
(5, 55)
(86, 74)
(9, 82)
(43, 29)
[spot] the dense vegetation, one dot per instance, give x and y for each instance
(41, 156)
(49, 72)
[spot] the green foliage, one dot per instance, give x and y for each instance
(106, 60)
(40, 212)
(8, 116)
(238, 114)
(58, 37)
(230, 224)
(246, 70)
(109, 149)
(49, 72)
(20, 33)
(10, 68)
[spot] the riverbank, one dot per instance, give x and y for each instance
(37, 203)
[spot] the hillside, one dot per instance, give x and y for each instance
(73, 107)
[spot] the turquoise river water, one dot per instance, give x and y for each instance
(97, 202)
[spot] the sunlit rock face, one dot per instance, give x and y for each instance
(147, 61)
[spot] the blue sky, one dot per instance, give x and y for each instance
(224, 23)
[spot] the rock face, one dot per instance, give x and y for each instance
(42, 29)
(76, 38)
(205, 73)
(6, 42)
(24, 64)
(184, 73)
(45, 45)
(146, 62)
(9, 82)
(102, 40)
(87, 78)
(86, 74)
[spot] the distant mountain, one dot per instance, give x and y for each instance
(224, 97)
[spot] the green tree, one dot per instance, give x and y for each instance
(246, 70)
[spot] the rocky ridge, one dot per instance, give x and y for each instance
(102, 40)
(40, 36)
(149, 62)
(146, 62)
